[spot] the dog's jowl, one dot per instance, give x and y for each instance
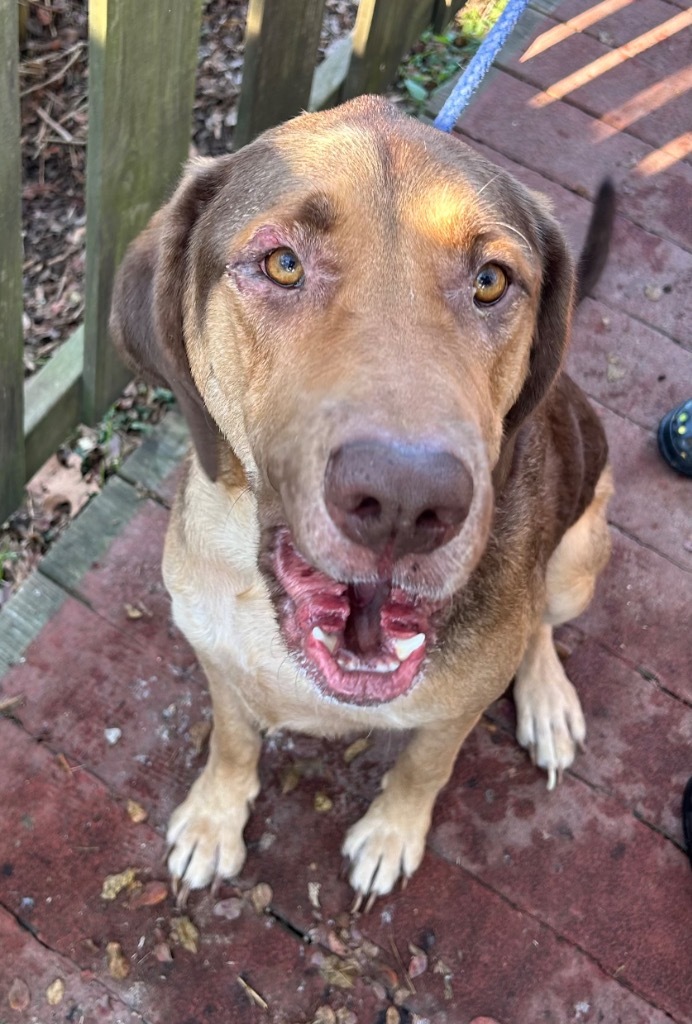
(394, 492)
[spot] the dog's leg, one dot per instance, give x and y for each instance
(550, 723)
(389, 840)
(206, 830)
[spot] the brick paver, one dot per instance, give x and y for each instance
(573, 906)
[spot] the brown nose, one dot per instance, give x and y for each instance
(414, 498)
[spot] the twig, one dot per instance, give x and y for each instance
(8, 705)
(407, 977)
(254, 996)
(76, 50)
(62, 132)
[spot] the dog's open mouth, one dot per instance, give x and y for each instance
(363, 643)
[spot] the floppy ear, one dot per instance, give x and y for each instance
(553, 322)
(146, 321)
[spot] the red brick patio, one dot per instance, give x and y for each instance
(530, 907)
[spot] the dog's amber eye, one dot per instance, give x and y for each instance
(490, 284)
(283, 267)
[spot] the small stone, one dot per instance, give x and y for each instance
(314, 894)
(230, 909)
(162, 952)
(653, 292)
(112, 735)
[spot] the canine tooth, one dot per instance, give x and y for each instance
(330, 640)
(405, 648)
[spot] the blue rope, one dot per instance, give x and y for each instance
(479, 65)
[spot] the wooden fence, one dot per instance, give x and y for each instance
(142, 61)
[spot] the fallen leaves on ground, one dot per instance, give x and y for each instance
(136, 812)
(114, 884)
(55, 992)
(19, 996)
(118, 964)
(184, 932)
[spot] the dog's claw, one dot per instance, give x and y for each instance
(551, 778)
(357, 902)
(181, 897)
(371, 902)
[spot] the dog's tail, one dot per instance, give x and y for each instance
(594, 254)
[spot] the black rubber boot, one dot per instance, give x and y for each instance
(675, 438)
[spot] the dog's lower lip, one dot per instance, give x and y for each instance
(361, 643)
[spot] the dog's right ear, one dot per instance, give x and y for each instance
(146, 321)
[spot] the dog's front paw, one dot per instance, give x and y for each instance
(205, 835)
(387, 843)
(550, 721)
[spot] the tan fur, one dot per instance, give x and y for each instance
(392, 220)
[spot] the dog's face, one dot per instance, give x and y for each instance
(364, 310)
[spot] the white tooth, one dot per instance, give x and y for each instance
(405, 648)
(330, 640)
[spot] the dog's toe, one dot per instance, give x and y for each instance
(206, 840)
(550, 724)
(383, 846)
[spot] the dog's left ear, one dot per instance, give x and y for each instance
(553, 322)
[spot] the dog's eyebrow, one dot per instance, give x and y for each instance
(317, 212)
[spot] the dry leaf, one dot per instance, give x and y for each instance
(61, 483)
(55, 992)
(322, 803)
(136, 812)
(356, 748)
(290, 778)
(324, 1015)
(149, 895)
(261, 896)
(115, 884)
(338, 972)
(184, 933)
(19, 996)
(118, 965)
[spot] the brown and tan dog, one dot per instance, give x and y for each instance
(394, 493)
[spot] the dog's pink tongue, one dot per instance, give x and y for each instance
(363, 633)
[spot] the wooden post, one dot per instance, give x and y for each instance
(11, 341)
(444, 12)
(142, 60)
(281, 41)
(383, 33)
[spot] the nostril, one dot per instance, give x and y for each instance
(429, 517)
(368, 508)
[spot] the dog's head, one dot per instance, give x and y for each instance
(363, 311)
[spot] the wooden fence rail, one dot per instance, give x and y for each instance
(142, 60)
